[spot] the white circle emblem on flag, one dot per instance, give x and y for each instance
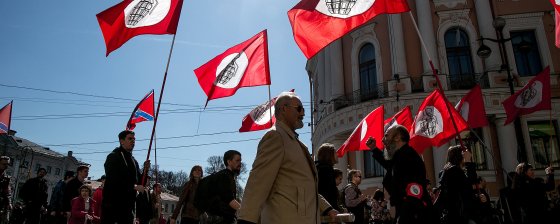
(141, 13)
(557, 2)
(429, 122)
(230, 70)
(531, 96)
(389, 125)
(363, 132)
(343, 8)
(262, 114)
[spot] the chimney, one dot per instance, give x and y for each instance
(70, 153)
(12, 132)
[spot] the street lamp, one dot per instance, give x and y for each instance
(484, 52)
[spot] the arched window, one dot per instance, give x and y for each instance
(459, 59)
(526, 52)
(368, 72)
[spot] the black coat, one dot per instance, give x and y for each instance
(405, 169)
(327, 184)
(122, 173)
(71, 190)
(457, 186)
(34, 192)
(532, 197)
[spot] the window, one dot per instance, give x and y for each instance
(49, 169)
(57, 171)
(371, 167)
(165, 207)
(37, 167)
(368, 73)
(459, 59)
(472, 141)
(526, 52)
(544, 143)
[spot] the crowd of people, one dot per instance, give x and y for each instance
(286, 185)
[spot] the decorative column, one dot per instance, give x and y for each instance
(508, 144)
(337, 69)
(484, 17)
(397, 45)
(425, 24)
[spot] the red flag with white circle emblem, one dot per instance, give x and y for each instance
(534, 96)
(471, 107)
(433, 124)
(243, 65)
(556, 4)
(260, 118)
(403, 117)
(317, 23)
(371, 125)
(131, 18)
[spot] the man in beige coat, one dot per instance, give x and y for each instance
(282, 185)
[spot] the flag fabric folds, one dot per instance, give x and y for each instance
(556, 4)
(317, 23)
(534, 96)
(243, 65)
(471, 107)
(260, 118)
(5, 118)
(131, 18)
(432, 125)
(403, 117)
(144, 111)
(371, 125)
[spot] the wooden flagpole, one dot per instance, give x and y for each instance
(434, 72)
(270, 106)
(145, 172)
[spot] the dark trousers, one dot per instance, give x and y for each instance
(32, 214)
(185, 220)
(117, 214)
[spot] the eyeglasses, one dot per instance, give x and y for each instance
(299, 108)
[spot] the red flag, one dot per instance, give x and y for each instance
(556, 4)
(433, 125)
(534, 96)
(144, 111)
(371, 125)
(403, 117)
(317, 23)
(260, 118)
(136, 17)
(5, 118)
(243, 65)
(471, 107)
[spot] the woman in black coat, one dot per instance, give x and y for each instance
(326, 158)
(457, 179)
(531, 193)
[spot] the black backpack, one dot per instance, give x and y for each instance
(203, 198)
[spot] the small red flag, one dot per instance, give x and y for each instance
(260, 118)
(471, 107)
(432, 125)
(556, 4)
(144, 111)
(317, 23)
(5, 118)
(371, 125)
(243, 65)
(534, 96)
(403, 117)
(131, 18)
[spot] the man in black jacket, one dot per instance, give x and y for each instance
(71, 190)
(123, 174)
(34, 194)
(406, 177)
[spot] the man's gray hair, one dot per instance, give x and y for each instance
(283, 98)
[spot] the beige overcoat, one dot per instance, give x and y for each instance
(282, 185)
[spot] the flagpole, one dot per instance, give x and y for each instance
(10, 121)
(434, 73)
(270, 106)
(158, 106)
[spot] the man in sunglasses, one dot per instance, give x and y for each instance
(282, 185)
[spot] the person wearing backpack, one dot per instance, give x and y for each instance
(217, 193)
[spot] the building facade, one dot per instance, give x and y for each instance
(27, 157)
(383, 63)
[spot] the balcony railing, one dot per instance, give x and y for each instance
(465, 81)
